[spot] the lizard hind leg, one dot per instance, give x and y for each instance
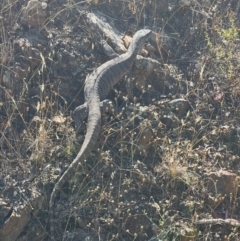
(80, 115)
(108, 106)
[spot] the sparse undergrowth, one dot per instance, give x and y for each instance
(169, 157)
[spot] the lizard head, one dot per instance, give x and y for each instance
(138, 40)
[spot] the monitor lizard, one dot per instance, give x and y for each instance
(97, 86)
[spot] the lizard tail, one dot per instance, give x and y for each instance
(93, 130)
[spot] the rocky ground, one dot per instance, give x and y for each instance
(167, 163)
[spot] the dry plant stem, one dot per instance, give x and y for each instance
(229, 221)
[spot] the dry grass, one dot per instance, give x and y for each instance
(141, 170)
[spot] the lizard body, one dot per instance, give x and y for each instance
(97, 86)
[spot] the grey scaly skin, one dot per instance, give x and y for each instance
(97, 86)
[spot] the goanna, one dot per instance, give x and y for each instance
(97, 86)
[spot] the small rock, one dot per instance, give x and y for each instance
(143, 68)
(139, 223)
(107, 49)
(184, 3)
(145, 139)
(34, 14)
(222, 182)
(99, 24)
(170, 120)
(127, 40)
(179, 106)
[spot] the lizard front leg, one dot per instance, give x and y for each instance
(108, 106)
(80, 115)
